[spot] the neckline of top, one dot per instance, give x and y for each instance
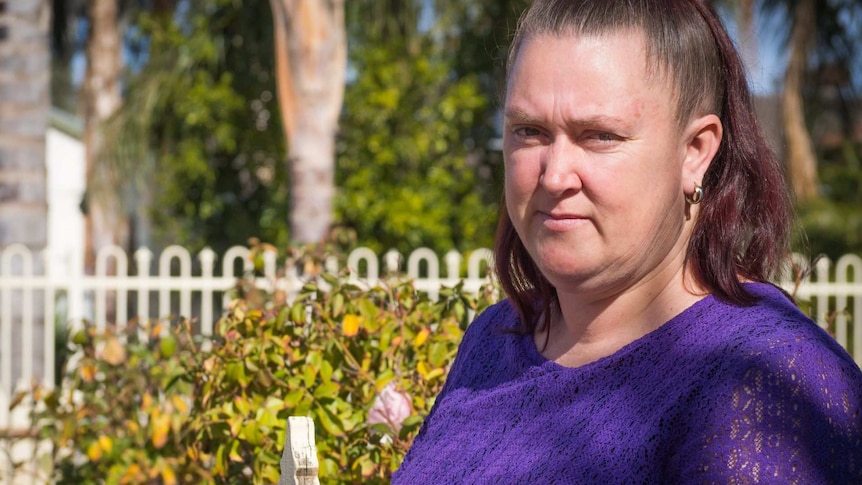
(541, 361)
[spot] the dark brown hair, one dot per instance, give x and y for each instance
(743, 227)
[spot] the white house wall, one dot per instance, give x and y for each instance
(65, 165)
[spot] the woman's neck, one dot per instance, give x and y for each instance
(587, 329)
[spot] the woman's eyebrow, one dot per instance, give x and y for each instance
(516, 115)
(519, 116)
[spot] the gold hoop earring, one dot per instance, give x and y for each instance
(695, 197)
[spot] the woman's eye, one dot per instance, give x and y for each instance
(527, 131)
(605, 137)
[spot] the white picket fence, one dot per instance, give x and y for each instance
(172, 285)
(38, 291)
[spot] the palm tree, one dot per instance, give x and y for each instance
(24, 112)
(102, 98)
(311, 61)
(801, 159)
(813, 27)
(24, 121)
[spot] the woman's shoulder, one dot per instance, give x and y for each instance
(497, 319)
(774, 344)
(774, 324)
(769, 373)
(500, 315)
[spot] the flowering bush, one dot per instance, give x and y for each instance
(149, 406)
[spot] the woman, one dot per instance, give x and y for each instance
(644, 215)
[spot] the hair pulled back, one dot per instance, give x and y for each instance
(743, 226)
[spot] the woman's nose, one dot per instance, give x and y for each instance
(560, 169)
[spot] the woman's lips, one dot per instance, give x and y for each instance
(562, 222)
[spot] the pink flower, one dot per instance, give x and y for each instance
(391, 407)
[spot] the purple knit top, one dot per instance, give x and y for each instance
(719, 394)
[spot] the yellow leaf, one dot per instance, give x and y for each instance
(254, 314)
(209, 364)
(161, 426)
(234, 453)
(114, 353)
(105, 443)
(236, 426)
(147, 402)
(180, 404)
(88, 372)
(169, 477)
(434, 374)
(132, 475)
(423, 370)
(94, 451)
(350, 324)
(421, 337)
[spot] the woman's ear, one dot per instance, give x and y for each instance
(703, 137)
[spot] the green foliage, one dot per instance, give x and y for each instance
(833, 224)
(406, 174)
(116, 418)
(200, 132)
(414, 167)
(169, 408)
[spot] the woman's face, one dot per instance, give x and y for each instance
(594, 162)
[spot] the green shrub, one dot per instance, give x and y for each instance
(167, 407)
(116, 418)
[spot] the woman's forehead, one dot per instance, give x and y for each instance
(618, 60)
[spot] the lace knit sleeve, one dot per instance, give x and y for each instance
(789, 415)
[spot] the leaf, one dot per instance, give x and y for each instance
(242, 405)
(309, 375)
(327, 390)
(434, 374)
(87, 372)
(220, 465)
(350, 325)
(234, 452)
(251, 433)
(161, 426)
(105, 443)
(326, 371)
(337, 304)
(329, 422)
(421, 337)
(132, 475)
(94, 451)
(168, 476)
(180, 404)
(168, 346)
(423, 370)
(17, 399)
(293, 398)
(383, 379)
(297, 313)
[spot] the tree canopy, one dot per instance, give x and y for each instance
(199, 135)
(199, 141)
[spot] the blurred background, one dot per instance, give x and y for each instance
(180, 125)
(362, 122)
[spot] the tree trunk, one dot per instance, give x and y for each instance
(24, 108)
(311, 58)
(801, 160)
(25, 105)
(747, 38)
(105, 223)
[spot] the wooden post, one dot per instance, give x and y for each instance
(299, 460)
